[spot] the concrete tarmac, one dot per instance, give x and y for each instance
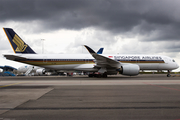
(142, 97)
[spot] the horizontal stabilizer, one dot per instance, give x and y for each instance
(14, 57)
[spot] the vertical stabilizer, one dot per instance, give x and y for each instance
(18, 45)
(100, 51)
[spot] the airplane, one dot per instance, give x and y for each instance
(103, 64)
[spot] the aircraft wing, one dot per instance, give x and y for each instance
(103, 61)
(14, 57)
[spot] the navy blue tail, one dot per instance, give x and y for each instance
(100, 51)
(18, 45)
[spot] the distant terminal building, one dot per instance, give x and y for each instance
(7, 71)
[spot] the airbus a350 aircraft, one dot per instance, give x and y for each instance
(93, 62)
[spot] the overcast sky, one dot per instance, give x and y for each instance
(120, 26)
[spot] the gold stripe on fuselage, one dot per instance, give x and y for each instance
(80, 62)
(56, 62)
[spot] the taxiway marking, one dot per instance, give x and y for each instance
(12, 84)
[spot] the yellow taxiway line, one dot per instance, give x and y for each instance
(12, 84)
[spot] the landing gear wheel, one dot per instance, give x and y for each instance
(90, 75)
(104, 75)
(168, 75)
(99, 75)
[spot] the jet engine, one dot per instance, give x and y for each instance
(41, 71)
(129, 69)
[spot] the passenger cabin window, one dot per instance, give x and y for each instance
(173, 60)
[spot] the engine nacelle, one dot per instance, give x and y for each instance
(130, 69)
(40, 71)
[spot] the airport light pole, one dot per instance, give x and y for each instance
(42, 45)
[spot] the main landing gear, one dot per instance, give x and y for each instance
(169, 75)
(98, 75)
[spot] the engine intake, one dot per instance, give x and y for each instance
(129, 69)
(40, 71)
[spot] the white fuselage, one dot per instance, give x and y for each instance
(85, 62)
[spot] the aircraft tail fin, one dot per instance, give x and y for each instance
(100, 51)
(18, 45)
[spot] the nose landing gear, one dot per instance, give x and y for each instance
(169, 73)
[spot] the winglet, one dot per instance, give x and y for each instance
(89, 49)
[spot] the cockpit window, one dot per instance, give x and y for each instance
(173, 60)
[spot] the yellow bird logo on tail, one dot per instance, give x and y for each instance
(21, 47)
